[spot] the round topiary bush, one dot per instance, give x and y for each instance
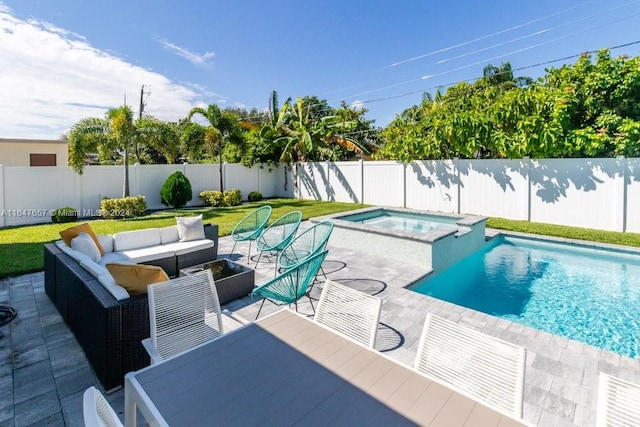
(254, 196)
(176, 190)
(66, 214)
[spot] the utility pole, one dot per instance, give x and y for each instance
(142, 104)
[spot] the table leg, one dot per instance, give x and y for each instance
(129, 404)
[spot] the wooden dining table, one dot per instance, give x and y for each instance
(286, 369)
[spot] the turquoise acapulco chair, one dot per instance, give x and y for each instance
(291, 285)
(278, 234)
(250, 227)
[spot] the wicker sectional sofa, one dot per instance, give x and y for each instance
(107, 322)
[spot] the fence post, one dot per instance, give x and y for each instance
(361, 181)
(528, 172)
(2, 208)
(622, 164)
(404, 184)
(456, 162)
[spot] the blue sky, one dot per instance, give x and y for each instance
(63, 60)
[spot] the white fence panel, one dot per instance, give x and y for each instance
(345, 182)
(313, 180)
(383, 183)
(577, 192)
(98, 182)
(238, 177)
(272, 181)
(202, 178)
(432, 185)
(149, 179)
(633, 196)
(496, 188)
(32, 193)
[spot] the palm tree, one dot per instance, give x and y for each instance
(224, 127)
(113, 133)
(299, 136)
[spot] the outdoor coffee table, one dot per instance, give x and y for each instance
(232, 280)
(286, 369)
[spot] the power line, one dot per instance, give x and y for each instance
(487, 36)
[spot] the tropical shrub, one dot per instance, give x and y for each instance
(232, 197)
(66, 214)
(254, 196)
(212, 198)
(176, 190)
(125, 207)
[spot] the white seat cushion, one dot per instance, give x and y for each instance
(181, 248)
(147, 254)
(112, 257)
(127, 240)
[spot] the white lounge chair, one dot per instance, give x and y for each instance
(350, 312)
(96, 410)
(618, 402)
(485, 368)
(183, 312)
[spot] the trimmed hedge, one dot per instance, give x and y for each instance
(217, 199)
(126, 207)
(254, 196)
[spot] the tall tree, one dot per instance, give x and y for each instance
(113, 133)
(223, 127)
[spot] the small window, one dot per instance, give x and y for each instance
(42, 159)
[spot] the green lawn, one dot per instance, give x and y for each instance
(21, 248)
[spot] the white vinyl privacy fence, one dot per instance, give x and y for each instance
(29, 194)
(593, 193)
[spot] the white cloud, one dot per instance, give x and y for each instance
(51, 78)
(357, 104)
(192, 57)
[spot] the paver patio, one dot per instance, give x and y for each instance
(43, 371)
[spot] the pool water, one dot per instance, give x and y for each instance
(403, 221)
(588, 295)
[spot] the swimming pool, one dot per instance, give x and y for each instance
(404, 221)
(586, 294)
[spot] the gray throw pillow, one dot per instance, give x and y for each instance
(190, 228)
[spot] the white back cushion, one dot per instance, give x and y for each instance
(106, 241)
(169, 234)
(77, 255)
(126, 240)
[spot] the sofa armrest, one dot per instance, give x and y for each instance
(211, 233)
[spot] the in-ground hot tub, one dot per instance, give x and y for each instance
(426, 239)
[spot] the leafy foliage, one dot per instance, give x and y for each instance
(176, 190)
(589, 109)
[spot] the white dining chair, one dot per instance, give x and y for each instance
(183, 312)
(618, 402)
(485, 368)
(96, 410)
(350, 312)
